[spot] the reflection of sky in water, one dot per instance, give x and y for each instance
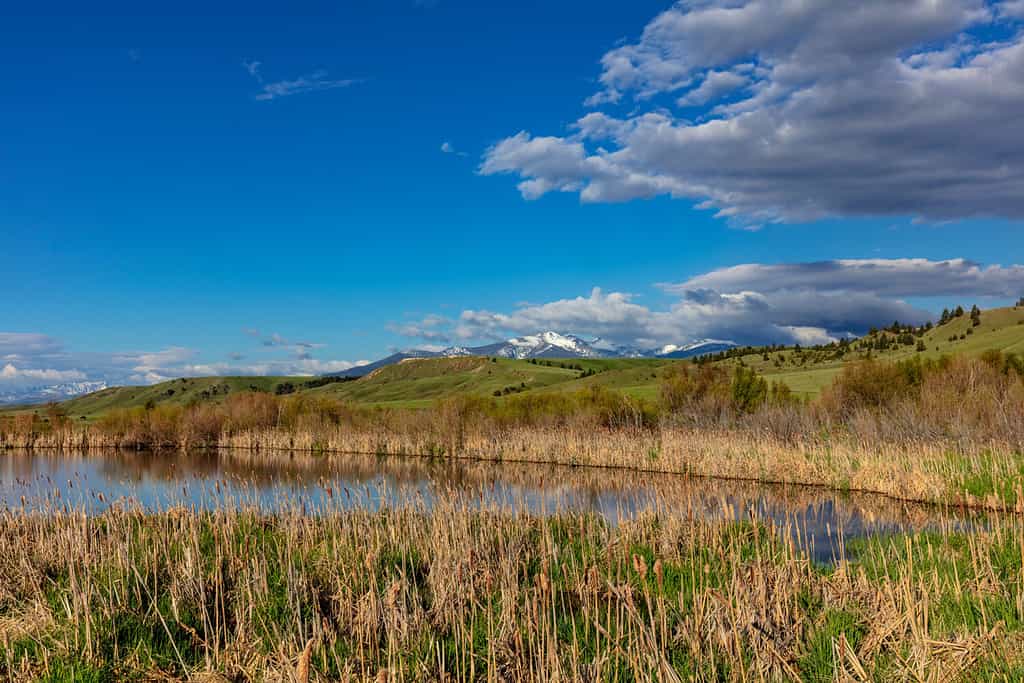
(814, 518)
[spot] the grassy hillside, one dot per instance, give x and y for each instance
(808, 371)
(419, 382)
(174, 392)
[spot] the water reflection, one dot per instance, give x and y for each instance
(319, 485)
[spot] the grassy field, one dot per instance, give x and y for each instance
(420, 382)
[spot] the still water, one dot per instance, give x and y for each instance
(814, 518)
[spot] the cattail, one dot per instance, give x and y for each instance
(640, 565)
(302, 668)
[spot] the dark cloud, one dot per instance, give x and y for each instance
(886, 277)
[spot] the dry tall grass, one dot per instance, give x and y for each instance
(465, 594)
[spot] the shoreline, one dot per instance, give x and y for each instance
(970, 503)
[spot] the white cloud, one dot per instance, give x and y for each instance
(10, 373)
(448, 148)
(847, 108)
(253, 68)
(313, 82)
(810, 336)
(600, 314)
(302, 366)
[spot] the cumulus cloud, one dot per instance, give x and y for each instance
(808, 109)
(11, 373)
(600, 314)
(805, 303)
(715, 85)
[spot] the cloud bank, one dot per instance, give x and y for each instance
(753, 303)
(795, 110)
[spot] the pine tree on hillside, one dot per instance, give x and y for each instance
(975, 316)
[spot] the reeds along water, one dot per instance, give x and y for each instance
(464, 593)
(949, 431)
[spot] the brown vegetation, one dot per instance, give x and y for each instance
(463, 594)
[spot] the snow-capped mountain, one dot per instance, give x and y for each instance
(550, 345)
(53, 392)
(453, 351)
(695, 348)
(542, 345)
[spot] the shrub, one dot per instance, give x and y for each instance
(867, 384)
(749, 390)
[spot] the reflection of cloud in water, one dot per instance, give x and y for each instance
(155, 481)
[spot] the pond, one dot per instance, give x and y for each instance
(815, 518)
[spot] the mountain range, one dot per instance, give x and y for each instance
(48, 393)
(548, 345)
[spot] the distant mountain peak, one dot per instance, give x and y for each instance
(551, 344)
(542, 344)
(453, 351)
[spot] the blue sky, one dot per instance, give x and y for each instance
(172, 180)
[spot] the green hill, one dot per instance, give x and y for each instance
(419, 382)
(173, 392)
(808, 371)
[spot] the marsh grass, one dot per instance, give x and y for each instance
(464, 593)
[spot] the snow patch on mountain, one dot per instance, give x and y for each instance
(546, 344)
(454, 351)
(692, 346)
